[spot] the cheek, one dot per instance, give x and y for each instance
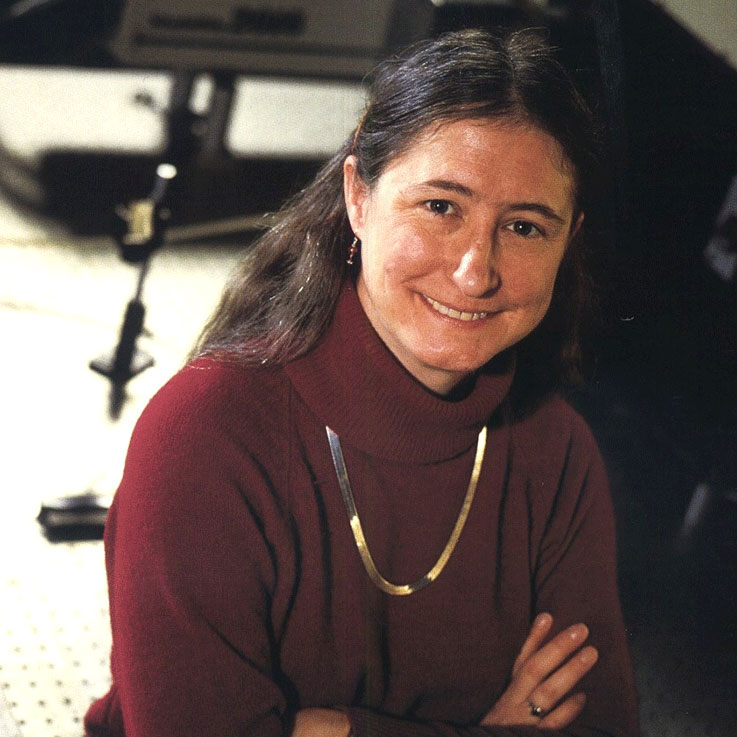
(532, 283)
(399, 255)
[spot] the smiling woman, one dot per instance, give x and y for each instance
(462, 237)
(362, 508)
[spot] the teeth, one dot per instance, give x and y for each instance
(450, 312)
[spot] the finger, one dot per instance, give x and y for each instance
(546, 660)
(560, 683)
(538, 632)
(564, 713)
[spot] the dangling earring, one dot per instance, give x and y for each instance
(353, 250)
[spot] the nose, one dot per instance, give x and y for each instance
(476, 274)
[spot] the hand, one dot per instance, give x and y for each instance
(321, 723)
(542, 676)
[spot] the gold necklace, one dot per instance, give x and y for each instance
(359, 537)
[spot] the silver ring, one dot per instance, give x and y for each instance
(535, 710)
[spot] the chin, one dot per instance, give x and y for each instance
(455, 365)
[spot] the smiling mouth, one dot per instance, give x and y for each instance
(457, 314)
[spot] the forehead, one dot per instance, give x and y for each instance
(484, 154)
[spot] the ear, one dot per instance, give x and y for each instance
(356, 193)
(576, 226)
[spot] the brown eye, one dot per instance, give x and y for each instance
(439, 207)
(525, 228)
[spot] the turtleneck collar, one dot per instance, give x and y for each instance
(354, 384)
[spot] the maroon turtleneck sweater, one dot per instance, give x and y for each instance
(237, 594)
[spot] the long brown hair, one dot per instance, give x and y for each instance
(282, 297)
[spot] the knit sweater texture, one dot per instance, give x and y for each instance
(237, 594)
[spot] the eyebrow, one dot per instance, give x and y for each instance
(452, 186)
(539, 208)
(449, 186)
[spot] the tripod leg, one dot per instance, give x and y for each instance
(218, 117)
(127, 361)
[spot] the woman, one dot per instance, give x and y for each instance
(360, 508)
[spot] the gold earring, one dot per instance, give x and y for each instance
(353, 250)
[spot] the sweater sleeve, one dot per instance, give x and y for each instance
(575, 579)
(191, 575)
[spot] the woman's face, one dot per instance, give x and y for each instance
(461, 240)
